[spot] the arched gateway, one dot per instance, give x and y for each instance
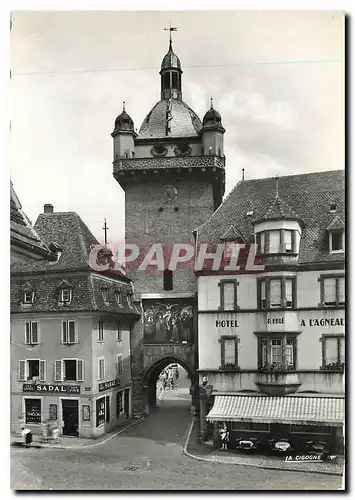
(152, 373)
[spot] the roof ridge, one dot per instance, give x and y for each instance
(294, 175)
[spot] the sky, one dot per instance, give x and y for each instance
(277, 79)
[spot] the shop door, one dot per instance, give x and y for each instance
(70, 412)
(126, 402)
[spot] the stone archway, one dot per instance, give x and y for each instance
(152, 374)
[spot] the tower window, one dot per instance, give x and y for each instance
(174, 80)
(168, 279)
(166, 80)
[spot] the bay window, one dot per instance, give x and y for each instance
(274, 242)
(277, 292)
(277, 352)
(277, 241)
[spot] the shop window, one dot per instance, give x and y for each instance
(31, 369)
(100, 411)
(168, 280)
(277, 293)
(228, 295)
(119, 364)
(277, 353)
(333, 352)
(101, 368)
(32, 411)
(31, 332)
(250, 426)
(69, 335)
(229, 351)
(100, 331)
(332, 290)
(119, 403)
(69, 370)
(310, 429)
(107, 408)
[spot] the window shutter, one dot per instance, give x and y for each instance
(71, 325)
(34, 332)
(341, 290)
(22, 370)
(341, 349)
(274, 241)
(275, 293)
(58, 370)
(329, 290)
(80, 370)
(28, 333)
(229, 351)
(42, 369)
(64, 332)
(229, 299)
(331, 350)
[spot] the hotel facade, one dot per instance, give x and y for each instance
(272, 338)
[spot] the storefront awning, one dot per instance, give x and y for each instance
(287, 410)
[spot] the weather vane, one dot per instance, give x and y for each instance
(170, 29)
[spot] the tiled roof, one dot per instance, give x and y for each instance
(86, 294)
(231, 234)
(279, 210)
(21, 230)
(183, 123)
(288, 410)
(308, 195)
(336, 225)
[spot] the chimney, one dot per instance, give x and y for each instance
(48, 208)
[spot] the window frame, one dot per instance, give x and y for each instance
(222, 341)
(31, 342)
(62, 370)
(61, 296)
(221, 285)
(331, 234)
(100, 331)
(42, 373)
(119, 364)
(321, 280)
(284, 301)
(265, 366)
(40, 400)
(76, 333)
(101, 363)
(323, 339)
(24, 301)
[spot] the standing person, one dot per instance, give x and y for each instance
(27, 435)
(224, 436)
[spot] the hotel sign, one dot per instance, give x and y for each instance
(51, 388)
(108, 385)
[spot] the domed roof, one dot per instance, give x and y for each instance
(183, 121)
(170, 60)
(212, 118)
(123, 122)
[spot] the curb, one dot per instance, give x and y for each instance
(216, 460)
(90, 445)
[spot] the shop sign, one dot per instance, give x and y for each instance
(51, 388)
(108, 385)
(323, 322)
(226, 323)
(276, 321)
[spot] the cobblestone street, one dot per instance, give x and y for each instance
(149, 456)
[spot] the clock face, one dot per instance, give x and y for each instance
(169, 194)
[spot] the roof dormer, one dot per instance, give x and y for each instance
(336, 231)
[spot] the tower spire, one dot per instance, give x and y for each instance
(170, 29)
(124, 106)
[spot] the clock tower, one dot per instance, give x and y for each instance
(173, 176)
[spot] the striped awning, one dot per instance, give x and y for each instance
(286, 409)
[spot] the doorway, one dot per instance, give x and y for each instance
(126, 402)
(70, 417)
